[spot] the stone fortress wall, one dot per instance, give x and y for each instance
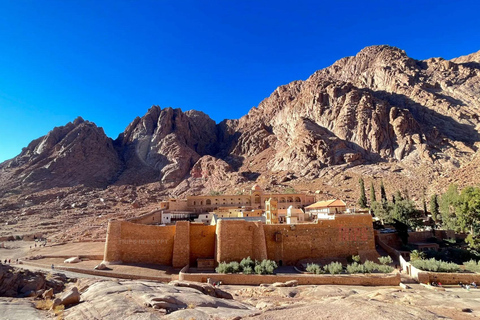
(233, 240)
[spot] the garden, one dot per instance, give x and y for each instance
(249, 266)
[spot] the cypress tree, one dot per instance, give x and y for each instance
(373, 198)
(383, 194)
(434, 207)
(362, 201)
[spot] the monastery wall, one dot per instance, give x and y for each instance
(202, 242)
(343, 237)
(238, 239)
(136, 243)
(233, 240)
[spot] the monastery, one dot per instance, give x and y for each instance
(287, 228)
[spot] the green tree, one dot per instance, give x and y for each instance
(404, 211)
(448, 203)
(373, 198)
(383, 194)
(362, 201)
(468, 209)
(434, 207)
(397, 196)
(382, 211)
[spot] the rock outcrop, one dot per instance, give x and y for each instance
(16, 282)
(78, 153)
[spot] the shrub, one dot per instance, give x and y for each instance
(356, 268)
(385, 260)
(435, 265)
(472, 265)
(370, 266)
(247, 266)
(356, 258)
(265, 267)
(333, 268)
(222, 267)
(314, 268)
(385, 269)
(247, 270)
(417, 255)
(247, 262)
(235, 267)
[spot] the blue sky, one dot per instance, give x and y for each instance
(109, 61)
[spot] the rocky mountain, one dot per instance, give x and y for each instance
(379, 115)
(78, 153)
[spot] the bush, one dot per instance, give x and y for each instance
(355, 268)
(370, 266)
(472, 265)
(385, 269)
(385, 260)
(222, 268)
(417, 255)
(435, 265)
(314, 268)
(247, 266)
(265, 267)
(333, 268)
(247, 262)
(232, 267)
(235, 267)
(247, 270)
(356, 258)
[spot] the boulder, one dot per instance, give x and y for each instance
(72, 260)
(102, 266)
(70, 297)
(48, 294)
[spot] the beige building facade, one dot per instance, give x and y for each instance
(255, 199)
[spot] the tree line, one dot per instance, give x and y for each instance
(453, 210)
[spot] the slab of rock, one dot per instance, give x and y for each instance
(72, 260)
(205, 288)
(114, 299)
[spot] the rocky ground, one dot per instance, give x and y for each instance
(106, 298)
(126, 299)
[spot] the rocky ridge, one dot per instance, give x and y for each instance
(379, 114)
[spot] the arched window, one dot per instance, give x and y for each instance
(257, 198)
(282, 199)
(297, 199)
(289, 199)
(208, 201)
